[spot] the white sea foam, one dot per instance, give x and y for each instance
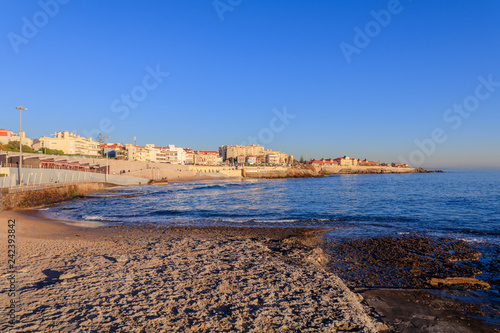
(94, 217)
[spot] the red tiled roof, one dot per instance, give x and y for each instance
(367, 163)
(207, 152)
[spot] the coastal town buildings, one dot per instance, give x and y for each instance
(346, 161)
(240, 153)
(114, 150)
(277, 157)
(73, 144)
(325, 162)
(400, 165)
(272, 159)
(233, 151)
(162, 154)
(69, 143)
(205, 157)
(148, 153)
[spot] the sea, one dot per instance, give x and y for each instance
(457, 204)
(454, 204)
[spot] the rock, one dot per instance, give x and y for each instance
(122, 258)
(66, 276)
(317, 257)
(461, 282)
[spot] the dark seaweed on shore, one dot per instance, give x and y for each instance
(400, 262)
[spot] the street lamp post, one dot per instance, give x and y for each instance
(20, 108)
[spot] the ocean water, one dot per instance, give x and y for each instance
(457, 204)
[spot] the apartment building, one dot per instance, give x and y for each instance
(189, 156)
(139, 153)
(240, 153)
(205, 157)
(173, 154)
(277, 158)
(69, 143)
(272, 159)
(233, 151)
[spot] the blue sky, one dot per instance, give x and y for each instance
(233, 66)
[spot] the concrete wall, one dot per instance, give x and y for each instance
(21, 200)
(44, 176)
(212, 170)
(265, 169)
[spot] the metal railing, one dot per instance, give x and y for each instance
(12, 165)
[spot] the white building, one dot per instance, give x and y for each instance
(173, 154)
(69, 143)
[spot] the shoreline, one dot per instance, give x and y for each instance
(101, 257)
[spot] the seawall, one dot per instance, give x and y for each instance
(367, 170)
(31, 199)
(269, 173)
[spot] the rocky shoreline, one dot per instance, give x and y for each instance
(411, 281)
(406, 261)
(311, 172)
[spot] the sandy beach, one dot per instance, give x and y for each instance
(147, 279)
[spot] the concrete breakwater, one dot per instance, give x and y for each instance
(369, 170)
(30, 199)
(280, 173)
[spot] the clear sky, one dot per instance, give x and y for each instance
(383, 80)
